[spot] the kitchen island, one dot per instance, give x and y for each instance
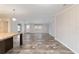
(6, 41)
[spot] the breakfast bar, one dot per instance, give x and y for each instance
(6, 41)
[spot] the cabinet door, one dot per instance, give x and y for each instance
(3, 26)
(2, 47)
(8, 44)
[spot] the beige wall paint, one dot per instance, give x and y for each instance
(5, 20)
(3, 26)
(67, 27)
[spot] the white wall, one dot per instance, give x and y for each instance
(67, 27)
(52, 27)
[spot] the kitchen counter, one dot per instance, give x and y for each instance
(4, 36)
(6, 41)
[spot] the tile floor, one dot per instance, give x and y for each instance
(39, 44)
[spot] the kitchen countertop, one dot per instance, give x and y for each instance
(4, 36)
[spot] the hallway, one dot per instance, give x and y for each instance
(40, 43)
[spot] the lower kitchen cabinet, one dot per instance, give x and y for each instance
(6, 45)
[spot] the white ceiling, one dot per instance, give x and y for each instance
(31, 11)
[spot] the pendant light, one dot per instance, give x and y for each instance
(13, 16)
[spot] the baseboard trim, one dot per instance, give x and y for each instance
(65, 45)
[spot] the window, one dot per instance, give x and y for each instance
(27, 26)
(38, 27)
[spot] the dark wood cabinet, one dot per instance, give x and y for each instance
(6, 45)
(2, 47)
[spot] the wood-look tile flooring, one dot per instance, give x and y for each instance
(40, 44)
